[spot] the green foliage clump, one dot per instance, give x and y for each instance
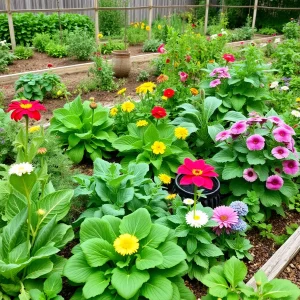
(110, 46)
(143, 76)
(267, 31)
(6, 57)
(291, 30)
(23, 52)
(136, 35)
(40, 41)
(151, 45)
(56, 50)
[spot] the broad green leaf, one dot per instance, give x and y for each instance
(256, 158)
(217, 284)
(158, 287)
(23, 184)
(234, 116)
(270, 198)
(234, 271)
(172, 255)
(210, 250)
(53, 285)
(38, 268)
(226, 155)
(72, 122)
(124, 143)
(191, 244)
(289, 188)
(95, 285)
(210, 106)
(232, 170)
(36, 294)
(178, 270)
(76, 153)
(185, 292)
(156, 236)
(148, 258)
(279, 289)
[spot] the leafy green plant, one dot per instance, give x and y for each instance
(40, 41)
(36, 86)
(110, 46)
(2, 97)
(56, 50)
(227, 282)
(267, 31)
(143, 76)
(136, 33)
(291, 30)
(151, 266)
(151, 45)
(6, 57)
(83, 129)
(22, 52)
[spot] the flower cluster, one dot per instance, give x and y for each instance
(220, 73)
(242, 210)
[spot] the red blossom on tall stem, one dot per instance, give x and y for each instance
(229, 57)
(169, 93)
(25, 108)
(158, 112)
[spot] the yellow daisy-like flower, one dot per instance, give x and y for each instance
(141, 123)
(194, 91)
(181, 133)
(145, 87)
(298, 99)
(100, 35)
(34, 129)
(126, 244)
(122, 91)
(158, 147)
(164, 178)
(143, 26)
(171, 197)
(147, 28)
(135, 25)
(211, 61)
(113, 111)
(164, 98)
(128, 106)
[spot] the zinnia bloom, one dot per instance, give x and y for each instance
(168, 60)
(128, 106)
(27, 108)
(255, 142)
(147, 28)
(282, 135)
(100, 35)
(141, 123)
(183, 76)
(221, 72)
(197, 173)
(158, 147)
(161, 49)
(122, 91)
(188, 201)
(194, 91)
(49, 65)
(162, 78)
(145, 87)
(169, 93)
(223, 135)
(238, 127)
(181, 133)
(42, 151)
(274, 182)
(280, 152)
(229, 57)
(290, 167)
(126, 244)
(215, 83)
(225, 216)
(158, 112)
(113, 111)
(164, 178)
(240, 208)
(249, 175)
(196, 218)
(21, 169)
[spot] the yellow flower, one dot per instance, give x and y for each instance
(298, 99)
(141, 123)
(181, 133)
(148, 28)
(158, 147)
(59, 92)
(164, 98)
(122, 91)
(164, 178)
(128, 106)
(126, 244)
(113, 111)
(194, 91)
(34, 129)
(135, 25)
(41, 212)
(100, 35)
(142, 26)
(162, 78)
(171, 197)
(211, 61)
(176, 64)
(198, 63)
(159, 27)
(145, 87)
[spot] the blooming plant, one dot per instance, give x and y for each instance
(133, 251)
(257, 153)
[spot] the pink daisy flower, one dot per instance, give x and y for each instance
(255, 142)
(275, 120)
(223, 135)
(280, 152)
(183, 76)
(290, 167)
(282, 135)
(225, 216)
(249, 175)
(274, 182)
(238, 127)
(215, 82)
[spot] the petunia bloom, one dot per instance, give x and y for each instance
(238, 127)
(274, 182)
(197, 172)
(220, 72)
(280, 152)
(229, 57)
(282, 135)
(255, 142)
(249, 175)
(223, 135)
(25, 108)
(183, 76)
(158, 112)
(275, 120)
(290, 167)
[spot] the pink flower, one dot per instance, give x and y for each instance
(238, 127)
(280, 152)
(183, 76)
(282, 135)
(249, 175)
(288, 128)
(225, 216)
(255, 120)
(221, 72)
(188, 58)
(274, 182)
(275, 120)
(229, 57)
(223, 135)
(215, 82)
(161, 49)
(290, 167)
(255, 142)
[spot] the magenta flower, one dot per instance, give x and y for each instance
(290, 167)
(255, 120)
(215, 82)
(288, 128)
(183, 76)
(161, 49)
(221, 72)
(255, 142)
(275, 120)
(274, 182)
(238, 127)
(280, 152)
(282, 135)
(225, 216)
(223, 135)
(249, 175)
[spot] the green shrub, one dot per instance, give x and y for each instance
(2, 97)
(22, 52)
(267, 31)
(80, 45)
(136, 35)
(56, 50)
(6, 57)
(291, 30)
(143, 76)
(110, 46)
(151, 45)
(40, 41)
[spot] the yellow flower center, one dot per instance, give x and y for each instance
(224, 218)
(197, 172)
(126, 244)
(26, 106)
(197, 218)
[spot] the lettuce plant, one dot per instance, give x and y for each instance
(127, 259)
(83, 129)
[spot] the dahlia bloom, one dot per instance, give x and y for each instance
(225, 216)
(290, 167)
(249, 175)
(25, 108)
(274, 182)
(255, 142)
(280, 152)
(282, 135)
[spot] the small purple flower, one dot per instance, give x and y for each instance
(280, 152)
(249, 175)
(240, 208)
(221, 72)
(282, 135)
(274, 182)
(223, 135)
(290, 167)
(255, 142)
(215, 83)
(238, 127)
(241, 225)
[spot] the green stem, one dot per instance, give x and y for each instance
(26, 137)
(28, 219)
(92, 118)
(195, 198)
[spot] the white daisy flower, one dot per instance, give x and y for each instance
(284, 88)
(21, 169)
(196, 218)
(295, 113)
(274, 85)
(214, 36)
(188, 201)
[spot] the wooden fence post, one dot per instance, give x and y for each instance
(206, 16)
(11, 25)
(96, 21)
(254, 13)
(150, 16)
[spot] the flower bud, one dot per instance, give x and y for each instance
(258, 283)
(41, 212)
(42, 151)
(93, 105)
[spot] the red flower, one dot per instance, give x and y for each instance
(169, 93)
(167, 60)
(220, 34)
(193, 25)
(161, 48)
(188, 58)
(242, 43)
(269, 41)
(158, 112)
(229, 57)
(49, 66)
(197, 173)
(27, 108)
(99, 69)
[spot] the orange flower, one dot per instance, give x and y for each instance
(194, 91)
(162, 78)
